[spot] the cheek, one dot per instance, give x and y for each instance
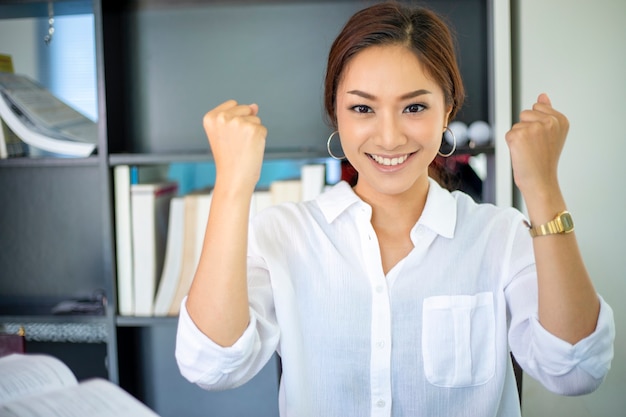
(353, 130)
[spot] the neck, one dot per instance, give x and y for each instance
(396, 211)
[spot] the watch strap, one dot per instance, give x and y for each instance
(562, 223)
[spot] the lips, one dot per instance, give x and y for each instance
(389, 160)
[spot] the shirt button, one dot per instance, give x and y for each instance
(381, 403)
(380, 344)
(379, 289)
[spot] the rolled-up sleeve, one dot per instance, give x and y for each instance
(559, 366)
(572, 369)
(214, 367)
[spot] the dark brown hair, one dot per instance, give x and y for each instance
(390, 23)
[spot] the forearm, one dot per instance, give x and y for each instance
(218, 297)
(568, 303)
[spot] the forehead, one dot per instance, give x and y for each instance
(385, 68)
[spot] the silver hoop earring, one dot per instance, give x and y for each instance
(445, 155)
(328, 142)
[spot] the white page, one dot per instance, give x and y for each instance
(93, 398)
(26, 375)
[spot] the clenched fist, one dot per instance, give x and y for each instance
(237, 139)
(536, 142)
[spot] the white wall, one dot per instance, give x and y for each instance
(574, 51)
(24, 59)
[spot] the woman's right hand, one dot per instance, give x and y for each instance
(237, 139)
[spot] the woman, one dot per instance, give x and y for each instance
(393, 297)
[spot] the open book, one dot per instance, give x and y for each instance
(43, 121)
(37, 385)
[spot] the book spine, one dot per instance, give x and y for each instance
(123, 240)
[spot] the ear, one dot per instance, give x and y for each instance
(446, 119)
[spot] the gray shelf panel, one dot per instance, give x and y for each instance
(204, 156)
(28, 162)
(132, 321)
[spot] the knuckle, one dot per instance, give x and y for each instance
(207, 120)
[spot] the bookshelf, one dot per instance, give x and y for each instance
(157, 74)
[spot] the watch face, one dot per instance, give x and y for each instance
(567, 222)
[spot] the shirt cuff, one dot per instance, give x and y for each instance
(593, 354)
(200, 359)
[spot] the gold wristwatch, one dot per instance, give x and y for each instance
(562, 223)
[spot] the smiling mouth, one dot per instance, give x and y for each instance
(387, 161)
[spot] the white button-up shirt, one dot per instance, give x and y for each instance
(431, 338)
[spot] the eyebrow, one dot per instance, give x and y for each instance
(406, 96)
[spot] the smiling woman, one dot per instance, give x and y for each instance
(391, 117)
(430, 42)
(356, 289)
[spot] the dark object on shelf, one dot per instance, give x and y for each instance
(93, 305)
(11, 343)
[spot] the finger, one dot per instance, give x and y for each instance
(535, 115)
(243, 110)
(544, 99)
(544, 104)
(252, 119)
(228, 104)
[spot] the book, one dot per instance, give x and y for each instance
(150, 205)
(123, 241)
(6, 63)
(261, 199)
(42, 120)
(197, 207)
(172, 264)
(123, 177)
(286, 191)
(313, 177)
(35, 385)
(11, 145)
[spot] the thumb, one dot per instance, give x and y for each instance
(544, 99)
(255, 109)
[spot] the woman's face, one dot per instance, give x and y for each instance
(391, 117)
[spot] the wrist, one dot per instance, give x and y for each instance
(543, 204)
(234, 188)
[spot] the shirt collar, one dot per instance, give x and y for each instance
(337, 200)
(439, 213)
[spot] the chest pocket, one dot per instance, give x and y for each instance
(458, 339)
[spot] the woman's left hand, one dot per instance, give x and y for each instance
(535, 143)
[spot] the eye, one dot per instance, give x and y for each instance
(414, 108)
(362, 108)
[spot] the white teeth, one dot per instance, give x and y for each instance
(389, 161)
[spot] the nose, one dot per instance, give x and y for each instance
(390, 134)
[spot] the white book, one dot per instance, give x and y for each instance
(150, 205)
(173, 257)
(202, 215)
(123, 241)
(286, 191)
(44, 121)
(35, 385)
(313, 177)
(197, 207)
(261, 199)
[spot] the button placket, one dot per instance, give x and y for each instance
(380, 364)
(380, 356)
